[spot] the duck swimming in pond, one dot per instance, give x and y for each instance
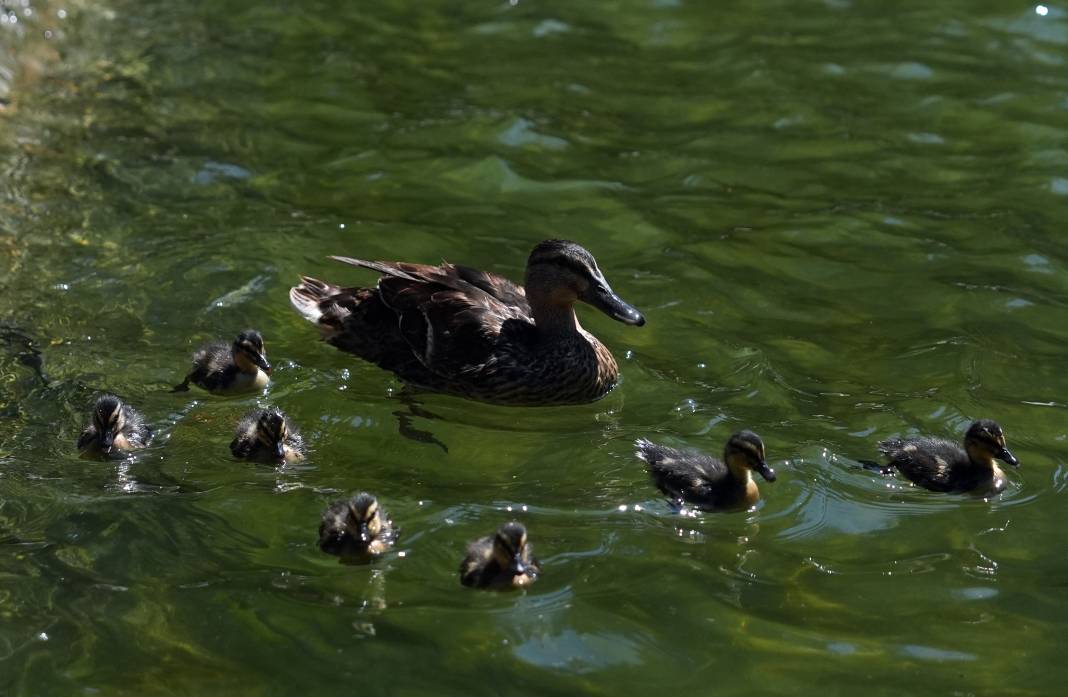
(114, 427)
(688, 476)
(503, 560)
(222, 368)
(472, 333)
(356, 527)
(941, 465)
(267, 435)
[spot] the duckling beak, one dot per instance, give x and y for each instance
(601, 296)
(261, 361)
(281, 450)
(365, 534)
(1007, 457)
(518, 567)
(107, 441)
(765, 471)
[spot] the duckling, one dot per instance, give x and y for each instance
(227, 369)
(941, 465)
(503, 560)
(705, 482)
(267, 435)
(114, 426)
(357, 527)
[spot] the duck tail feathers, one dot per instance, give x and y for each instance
(306, 297)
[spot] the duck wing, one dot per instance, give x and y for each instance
(928, 462)
(450, 316)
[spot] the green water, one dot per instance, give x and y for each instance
(842, 220)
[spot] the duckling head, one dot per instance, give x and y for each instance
(249, 352)
(560, 272)
(746, 449)
(364, 518)
(272, 431)
(108, 420)
(985, 441)
(510, 548)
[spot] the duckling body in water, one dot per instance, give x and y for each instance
(475, 334)
(115, 427)
(941, 465)
(356, 527)
(689, 476)
(502, 560)
(222, 368)
(267, 435)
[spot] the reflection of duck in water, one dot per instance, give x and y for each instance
(941, 465)
(267, 435)
(688, 476)
(504, 560)
(475, 334)
(222, 368)
(357, 527)
(114, 426)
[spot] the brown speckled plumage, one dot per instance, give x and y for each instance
(472, 333)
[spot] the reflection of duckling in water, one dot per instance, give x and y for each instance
(941, 465)
(267, 435)
(357, 527)
(505, 560)
(115, 426)
(688, 476)
(223, 368)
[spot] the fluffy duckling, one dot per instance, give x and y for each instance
(941, 465)
(357, 527)
(222, 368)
(705, 482)
(114, 426)
(503, 560)
(267, 435)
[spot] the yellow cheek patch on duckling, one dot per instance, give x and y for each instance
(121, 443)
(521, 580)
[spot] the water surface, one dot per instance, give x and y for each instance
(843, 222)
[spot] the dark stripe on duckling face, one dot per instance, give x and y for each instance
(986, 437)
(747, 445)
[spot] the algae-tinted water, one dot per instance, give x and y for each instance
(843, 221)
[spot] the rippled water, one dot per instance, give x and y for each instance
(843, 221)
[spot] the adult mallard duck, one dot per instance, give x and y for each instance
(472, 333)
(222, 368)
(688, 476)
(941, 465)
(503, 560)
(267, 435)
(356, 527)
(113, 427)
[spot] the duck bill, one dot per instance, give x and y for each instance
(1008, 458)
(280, 450)
(365, 534)
(602, 297)
(261, 362)
(518, 567)
(107, 441)
(765, 471)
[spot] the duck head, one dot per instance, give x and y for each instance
(249, 352)
(560, 272)
(108, 420)
(746, 449)
(985, 441)
(510, 548)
